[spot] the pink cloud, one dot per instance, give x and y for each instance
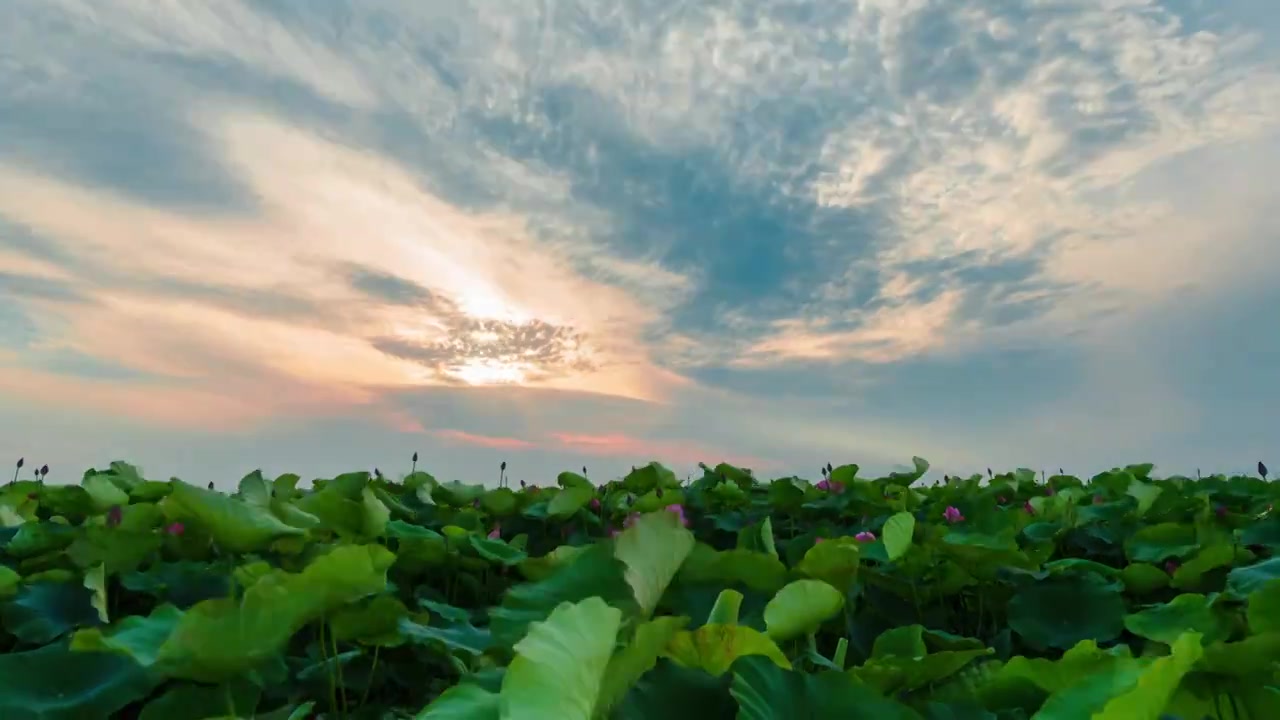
(488, 441)
(619, 445)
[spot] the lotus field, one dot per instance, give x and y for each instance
(998, 596)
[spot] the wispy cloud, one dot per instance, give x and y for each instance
(774, 230)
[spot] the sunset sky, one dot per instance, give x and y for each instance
(321, 235)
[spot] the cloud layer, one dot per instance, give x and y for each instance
(322, 235)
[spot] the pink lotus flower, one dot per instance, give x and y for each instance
(1029, 508)
(1001, 500)
(595, 503)
(952, 514)
(1048, 490)
(631, 520)
(176, 529)
(678, 511)
(614, 533)
(495, 533)
(818, 540)
(1172, 566)
(824, 485)
(865, 536)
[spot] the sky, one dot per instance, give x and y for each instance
(321, 235)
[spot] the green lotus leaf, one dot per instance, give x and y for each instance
(653, 549)
(560, 664)
(234, 525)
(800, 608)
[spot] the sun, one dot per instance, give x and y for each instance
(490, 372)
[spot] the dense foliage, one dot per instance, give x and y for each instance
(1007, 596)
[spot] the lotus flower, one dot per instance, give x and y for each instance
(678, 511)
(952, 514)
(1029, 508)
(824, 485)
(176, 529)
(595, 503)
(1002, 500)
(865, 536)
(114, 516)
(1048, 490)
(631, 520)
(1172, 566)
(818, 540)
(495, 533)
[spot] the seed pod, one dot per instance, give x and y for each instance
(44, 470)
(20, 460)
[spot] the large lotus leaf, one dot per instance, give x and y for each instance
(138, 637)
(255, 489)
(1145, 493)
(150, 491)
(45, 611)
(34, 539)
(637, 657)
(569, 500)
(465, 701)
(1157, 543)
(1264, 608)
(653, 549)
(373, 514)
(456, 494)
(233, 524)
(757, 570)
(1243, 581)
(1190, 574)
(66, 500)
(1143, 578)
(1167, 622)
(182, 583)
(758, 538)
(765, 691)
(220, 638)
(119, 550)
(573, 479)
(139, 517)
(95, 581)
(10, 581)
(456, 635)
(646, 478)
(499, 502)
(897, 534)
(1075, 665)
(199, 702)
(103, 493)
(673, 692)
(496, 550)
(560, 664)
(376, 622)
(293, 515)
(714, 648)
(593, 572)
(905, 674)
(334, 509)
(54, 683)
(1134, 690)
(1059, 612)
(1253, 657)
(836, 561)
(800, 608)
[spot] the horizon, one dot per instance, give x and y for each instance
(317, 237)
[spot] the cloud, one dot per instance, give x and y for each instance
(774, 230)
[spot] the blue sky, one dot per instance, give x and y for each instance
(319, 236)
